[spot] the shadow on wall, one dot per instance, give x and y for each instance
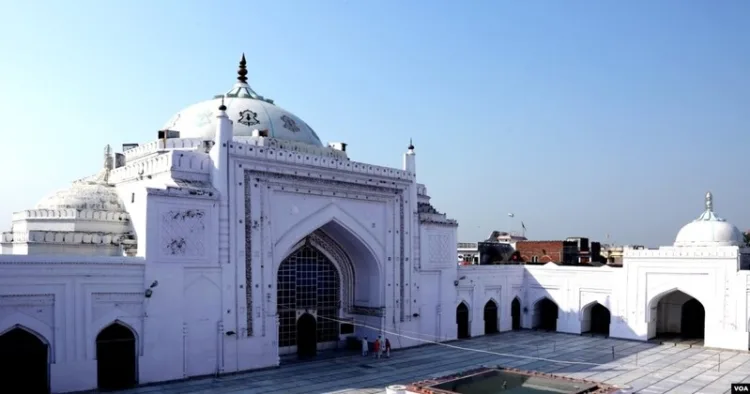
(26, 356)
(673, 316)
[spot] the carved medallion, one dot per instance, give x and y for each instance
(248, 118)
(290, 124)
(183, 232)
(204, 118)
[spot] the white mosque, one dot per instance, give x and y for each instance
(238, 238)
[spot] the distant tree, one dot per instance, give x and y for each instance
(746, 238)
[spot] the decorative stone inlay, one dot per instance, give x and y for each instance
(290, 124)
(183, 232)
(341, 260)
(440, 250)
(248, 253)
(150, 158)
(248, 118)
(402, 273)
(203, 118)
(249, 148)
(304, 183)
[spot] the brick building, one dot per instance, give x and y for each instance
(564, 252)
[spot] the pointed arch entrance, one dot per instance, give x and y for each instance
(307, 280)
(515, 313)
(24, 361)
(307, 336)
(693, 314)
(490, 317)
(596, 319)
(677, 315)
(116, 358)
(545, 315)
(462, 321)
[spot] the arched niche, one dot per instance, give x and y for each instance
(491, 314)
(116, 357)
(352, 239)
(595, 319)
(677, 316)
(463, 320)
(24, 359)
(545, 315)
(515, 313)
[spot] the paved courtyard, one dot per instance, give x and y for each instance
(637, 366)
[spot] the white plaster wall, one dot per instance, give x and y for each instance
(435, 281)
(134, 197)
(68, 301)
(573, 289)
(184, 314)
(631, 294)
(482, 283)
(708, 274)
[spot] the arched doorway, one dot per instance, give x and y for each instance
(545, 315)
(307, 336)
(24, 361)
(308, 280)
(596, 319)
(490, 317)
(515, 313)
(679, 316)
(116, 358)
(693, 320)
(462, 320)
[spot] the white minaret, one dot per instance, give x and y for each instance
(410, 162)
(219, 153)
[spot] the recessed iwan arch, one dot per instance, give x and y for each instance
(653, 302)
(115, 317)
(329, 213)
(33, 326)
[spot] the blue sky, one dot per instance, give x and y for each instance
(584, 118)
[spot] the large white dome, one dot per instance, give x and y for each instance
(709, 230)
(248, 111)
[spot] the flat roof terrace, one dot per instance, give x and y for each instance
(637, 366)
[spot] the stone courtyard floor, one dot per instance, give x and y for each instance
(638, 367)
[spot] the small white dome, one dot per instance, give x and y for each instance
(709, 230)
(247, 110)
(84, 195)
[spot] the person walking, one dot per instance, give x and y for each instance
(387, 348)
(365, 347)
(377, 348)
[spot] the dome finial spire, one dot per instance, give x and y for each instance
(242, 72)
(222, 107)
(709, 202)
(411, 144)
